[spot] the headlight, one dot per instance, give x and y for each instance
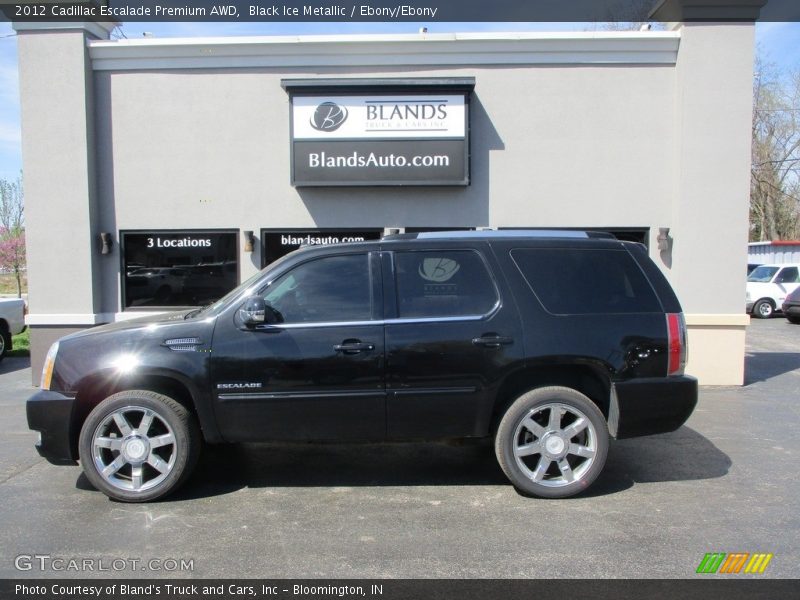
(747, 296)
(47, 369)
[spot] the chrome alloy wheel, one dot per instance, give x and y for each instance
(134, 449)
(555, 445)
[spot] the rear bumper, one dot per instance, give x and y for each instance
(652, 405)
(50, 413)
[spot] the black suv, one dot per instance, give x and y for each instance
(548, 341)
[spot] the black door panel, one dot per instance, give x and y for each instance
(306, 389)
(439, 383)
(451, 345)
(316, 374)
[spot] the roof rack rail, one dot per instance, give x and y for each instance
(500, 234)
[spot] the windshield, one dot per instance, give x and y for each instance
(213, 309)
(762, 274)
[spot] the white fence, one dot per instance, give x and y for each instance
(773, 252)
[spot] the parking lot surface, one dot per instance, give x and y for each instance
(725, 482)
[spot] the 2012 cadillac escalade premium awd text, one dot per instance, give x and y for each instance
(549, 341)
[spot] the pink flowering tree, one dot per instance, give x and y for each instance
(12, 254)
(12, 229)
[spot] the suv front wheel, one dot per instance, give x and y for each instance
(552, 442)
(137, 446)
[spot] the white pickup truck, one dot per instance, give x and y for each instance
(768, 286)
(12, 321)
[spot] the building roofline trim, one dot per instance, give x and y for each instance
(388, 50)
(99, 29)
(330, 85)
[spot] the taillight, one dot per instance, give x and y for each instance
(676, 330)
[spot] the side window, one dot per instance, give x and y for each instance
(446, 283)
(329, 289)
(569, 281)
(788, 275)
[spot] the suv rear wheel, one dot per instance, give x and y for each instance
(137, 445)
(552, 442)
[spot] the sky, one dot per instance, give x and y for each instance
(778, 43)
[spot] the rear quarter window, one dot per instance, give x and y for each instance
(576, 281)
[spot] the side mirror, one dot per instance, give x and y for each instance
(253, 312)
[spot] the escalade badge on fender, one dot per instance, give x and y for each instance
(239, 386)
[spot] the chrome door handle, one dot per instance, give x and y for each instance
(354, 347)
(492, 341)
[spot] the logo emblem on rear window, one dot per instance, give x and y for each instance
(328, 117)
(438, 270)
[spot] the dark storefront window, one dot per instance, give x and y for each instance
(424, 229)
(178, 268)
(629, 234)
(279, 242)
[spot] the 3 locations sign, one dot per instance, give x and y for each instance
(386, 138)
(171, 268)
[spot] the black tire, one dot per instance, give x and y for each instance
(536, 408)
(795, 320)
(5, 341)
(763, 309)
(178, 457)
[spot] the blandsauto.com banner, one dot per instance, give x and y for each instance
(387, 139)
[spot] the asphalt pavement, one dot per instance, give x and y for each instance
(725, 482)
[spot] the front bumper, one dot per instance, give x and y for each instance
(653, 405)
(748, 308)
(791, 310)
(50, 413)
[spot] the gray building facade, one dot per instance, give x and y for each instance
(135, 149)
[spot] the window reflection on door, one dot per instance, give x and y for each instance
(330, 289)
